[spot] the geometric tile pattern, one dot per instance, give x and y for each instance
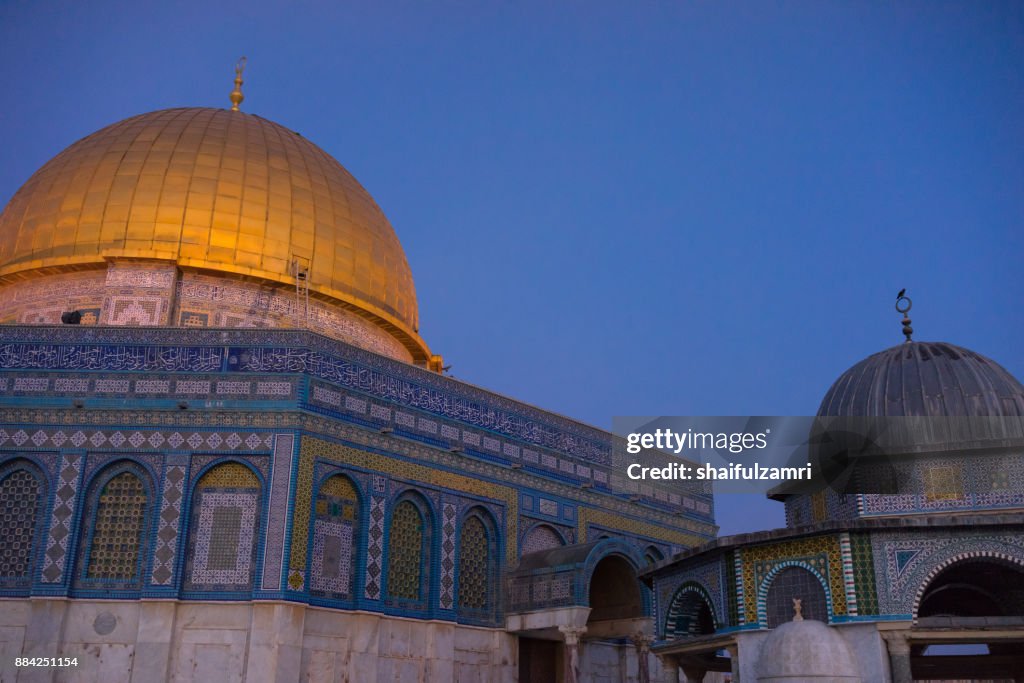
(548, 590)
(423, 473)
(428, 399)
(192, 385)
(28, 301)
(277, 512)
(336, 399)
(943, 483)
(819, 554)
(864, 574)
(474, 565)
(391, 381)
(263, 353)
(940, 484)
(447, 556)
(905, 558)
(794, 582)
(732, 569)
(224, 538)
(740, 597)
(238, 304)
(405, 553)
(332, 558)
(638, 527)
(257, 465)
(851, 590)
(230, 475)
(136, 310)
(301, 520)
(224, 521)
(166, 549)
(65, 498)
(268, 352)
(334, 533)
(375, 549)
(20, 497)
(813, 568)
(904, 563)
(144, 439)
(425, 393)
(541, 537)
(97, 461)
(117, 527)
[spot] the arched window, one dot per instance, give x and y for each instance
(477, 550)
(689, 613)
(541, 537)
(116, 518)
(795, 583)
(335, 532)
(408, 554)
(652, 555)
(21, 493)
(224, 521)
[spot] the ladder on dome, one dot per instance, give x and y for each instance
(300, 271)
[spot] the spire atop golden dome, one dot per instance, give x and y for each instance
(236, 94)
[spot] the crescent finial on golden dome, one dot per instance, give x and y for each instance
(236, 94)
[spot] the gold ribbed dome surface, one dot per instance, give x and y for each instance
(219, 191)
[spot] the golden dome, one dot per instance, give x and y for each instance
(214, 190)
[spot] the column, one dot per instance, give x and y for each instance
(670, 667)
(899, 656)
(642, 643)
(572, 635)
(734, 660)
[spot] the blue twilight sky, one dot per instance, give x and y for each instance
(660, 208)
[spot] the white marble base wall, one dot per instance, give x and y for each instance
(150, 641)
(609, 662)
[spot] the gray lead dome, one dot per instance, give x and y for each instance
(925, 379)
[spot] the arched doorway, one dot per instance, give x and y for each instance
(965, 598)
(575, 593)
(980, 587)
(615, 591)
(617, 613)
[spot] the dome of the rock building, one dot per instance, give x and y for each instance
(805, 651)
(238, 207)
